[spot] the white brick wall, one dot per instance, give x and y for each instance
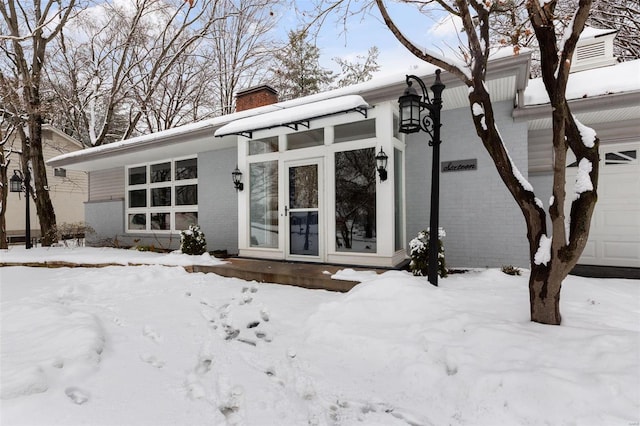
(483, 223)
(217, 199)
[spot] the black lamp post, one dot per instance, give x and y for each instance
(411, 121)
(18, 183)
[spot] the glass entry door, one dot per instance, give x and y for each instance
(303, 202)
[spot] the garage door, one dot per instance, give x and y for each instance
(614, 239)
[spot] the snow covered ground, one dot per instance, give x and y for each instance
(155, 345)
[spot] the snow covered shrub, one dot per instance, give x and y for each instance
(510, 270)
(420, 254)
(192, 241)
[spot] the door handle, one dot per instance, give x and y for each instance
(286, 210)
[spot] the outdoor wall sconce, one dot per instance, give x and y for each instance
(411, 121)
(381, 161)
(237, 179)
(18, 183)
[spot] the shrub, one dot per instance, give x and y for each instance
(419, 247)
(510, 270)
(192, 241)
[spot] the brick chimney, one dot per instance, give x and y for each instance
(255, 97)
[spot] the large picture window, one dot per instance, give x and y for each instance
(263, 210)
(163, 196)
(356, 201)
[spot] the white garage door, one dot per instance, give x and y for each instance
(614, 239)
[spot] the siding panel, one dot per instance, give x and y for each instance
(106, 184)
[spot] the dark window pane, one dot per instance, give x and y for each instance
(187, 169)
(305, 139)
(263, 208)
(304, 233)
(137, 221)
(160, 197)
(303, 187)
(138, 175)
(183, 220)
(160, 221)
(355, 131)
(186, 195)
(620, 157)
(356, 201)
(398, 198)
(138, 198)
(161, 172)
(263, 146)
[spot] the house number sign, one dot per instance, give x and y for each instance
(459, 165)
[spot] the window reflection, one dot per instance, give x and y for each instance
(356, 201)
(263, 210)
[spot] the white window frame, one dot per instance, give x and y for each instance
(172, 209)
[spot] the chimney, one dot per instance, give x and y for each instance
(255, 97)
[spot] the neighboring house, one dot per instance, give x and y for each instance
(67, 188)
(310, 189)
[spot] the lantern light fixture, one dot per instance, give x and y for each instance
(381, 163)
(236, 174)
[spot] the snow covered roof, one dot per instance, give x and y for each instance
(293, 116)
(623, 77)
(198, 137)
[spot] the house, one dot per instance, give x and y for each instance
(308, 188)
(67, 188)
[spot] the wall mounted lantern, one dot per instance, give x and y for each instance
(381, 162)
(412, 105)
(236, 174)
(18, 183)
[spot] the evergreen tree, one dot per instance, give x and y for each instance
(360, 70)
(297, 71)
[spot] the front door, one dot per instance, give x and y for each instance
(302, 210)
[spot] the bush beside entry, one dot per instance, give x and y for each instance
(420, 254)
(192, 241)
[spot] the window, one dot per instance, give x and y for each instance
(356, 201)
(620, 157)
(305, 139)
(162, 197)
(263, 208)
(355, 131)
(60, 172)
(263, 146)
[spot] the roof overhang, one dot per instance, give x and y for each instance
(599, 109)
(294, 117)
(156, 146)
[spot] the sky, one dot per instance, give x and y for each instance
(367, 29)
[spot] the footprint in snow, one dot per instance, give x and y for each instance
(151, 334)
(77, 395)
(152, 360)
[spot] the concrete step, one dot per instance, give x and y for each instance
(307, 275)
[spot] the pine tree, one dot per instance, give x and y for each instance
(297, 71)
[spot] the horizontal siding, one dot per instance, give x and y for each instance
(75, 182)
(106, 184)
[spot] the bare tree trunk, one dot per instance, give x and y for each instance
(44, 206)
(552, 254)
